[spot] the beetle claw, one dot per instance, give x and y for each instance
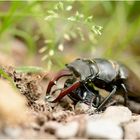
(66, 91)
(60, 74)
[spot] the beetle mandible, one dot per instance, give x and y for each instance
(109, 75)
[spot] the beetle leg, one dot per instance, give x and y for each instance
(66, 91)
(125, 95)
(107, 98)
(95, 97)
(60, 74)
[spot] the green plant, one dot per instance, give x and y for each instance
(29, 69)
(15, 14)
(69, 28)
(72, 25)
(6, 76)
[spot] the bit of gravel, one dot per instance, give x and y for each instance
(103, 129)
(68, 130)
(119, 114)
(12, 132)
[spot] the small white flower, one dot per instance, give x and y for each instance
(44, 57)
(51, 52)
(67, 37)
(69, 8)
(60, 47)
(43, 49)
(48, 41)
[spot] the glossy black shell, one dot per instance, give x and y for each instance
(100, 72)
(101, 69)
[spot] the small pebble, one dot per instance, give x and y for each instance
(83, 108)
(41, 119)
(12, 132)
(103, 129)
(68, 130)
(35, 126)
(118, 114)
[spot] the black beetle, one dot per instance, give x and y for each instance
(110, 75)
(84, 93)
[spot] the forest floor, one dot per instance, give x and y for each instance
(24, 113)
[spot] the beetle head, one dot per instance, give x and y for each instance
(83, 68)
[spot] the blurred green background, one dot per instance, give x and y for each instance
(49, 34)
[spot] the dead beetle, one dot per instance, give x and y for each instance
(110, 75)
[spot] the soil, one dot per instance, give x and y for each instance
(43, 119)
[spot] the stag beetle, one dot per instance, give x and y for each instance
(85, 74)
(84, 93)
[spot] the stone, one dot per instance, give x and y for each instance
(12, 132)
(68, 130)
(103, 129)
(35, 126)
(83, 108)
(117, 114)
